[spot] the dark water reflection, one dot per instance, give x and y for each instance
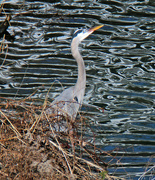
(119, 62)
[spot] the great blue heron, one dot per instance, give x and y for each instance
(69, 101)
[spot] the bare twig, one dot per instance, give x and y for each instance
(13, 127)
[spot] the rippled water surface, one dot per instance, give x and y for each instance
(120, 66)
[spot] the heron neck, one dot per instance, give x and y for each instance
(81, 81)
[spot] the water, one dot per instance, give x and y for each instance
(120, 68)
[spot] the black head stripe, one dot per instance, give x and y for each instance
(77, 32)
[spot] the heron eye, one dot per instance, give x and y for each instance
(76, 99)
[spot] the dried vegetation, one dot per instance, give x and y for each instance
(31, 148)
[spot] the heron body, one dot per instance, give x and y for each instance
(70, 100)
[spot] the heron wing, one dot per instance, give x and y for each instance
(65, 104)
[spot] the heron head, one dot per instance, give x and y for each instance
(82, 34)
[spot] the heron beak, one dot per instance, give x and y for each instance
(95, 28)
(90, 31)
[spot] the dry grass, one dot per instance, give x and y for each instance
(32, 149)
